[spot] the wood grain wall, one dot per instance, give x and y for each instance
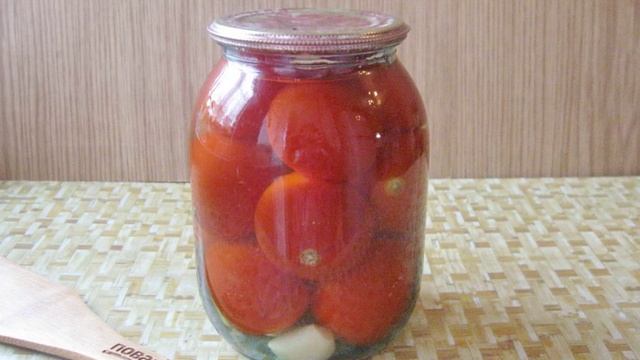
(102, 90)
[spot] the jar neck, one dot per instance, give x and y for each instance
(283, 62)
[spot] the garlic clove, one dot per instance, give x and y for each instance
(310, 342)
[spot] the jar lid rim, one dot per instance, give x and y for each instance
(309, 30)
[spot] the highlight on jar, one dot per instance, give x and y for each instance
(309, 159)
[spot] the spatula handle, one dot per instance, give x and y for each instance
(117, 350)
(50, 318)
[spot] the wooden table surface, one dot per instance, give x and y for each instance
(518, 268)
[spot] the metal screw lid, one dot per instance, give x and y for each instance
(309, 30)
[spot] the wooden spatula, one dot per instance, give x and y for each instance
(50, 318)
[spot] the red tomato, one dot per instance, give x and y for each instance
(252, 293)
(400, 200)
(363, 306)
(311, 227)
(392, 97)
(398, 150)
(319, 130)
(237, 101)
(227, 179)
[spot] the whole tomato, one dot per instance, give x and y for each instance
(311, 227)
(227, 179)
(320, 130)
(391, 99)
(364, 305)
(254, 295)
(391, 96)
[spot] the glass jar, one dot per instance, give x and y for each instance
(309, 155)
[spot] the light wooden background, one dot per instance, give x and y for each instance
(102, 90)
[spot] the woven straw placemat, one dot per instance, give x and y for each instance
(521, 268)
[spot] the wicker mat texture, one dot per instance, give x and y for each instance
(514, 268)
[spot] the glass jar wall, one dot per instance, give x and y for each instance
(308, 169)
